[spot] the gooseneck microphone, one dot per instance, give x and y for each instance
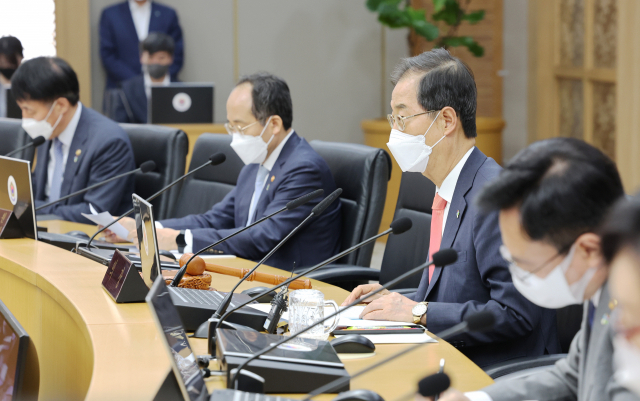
(289, 206)
(434, 384)
(440, 258)
(145, 167)
(203, 331)
(214, 160)
(397, 227)
(479, 321)
(37, 141)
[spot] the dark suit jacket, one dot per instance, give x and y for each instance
(480, 280)
(104, 151)
(119, 45)
(130, 105)
(298, 171)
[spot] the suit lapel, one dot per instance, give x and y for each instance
(594, 342)
(42, 169)
(154, 19)
(127, 19)
(77, 152)
(458, 206)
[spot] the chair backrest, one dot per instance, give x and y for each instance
(408, 250)
(12, 136)
(363, 173)
(210, 185)
(168, 148)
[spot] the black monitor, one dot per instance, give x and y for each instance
(183, 360)
(14, 342)
(147, 241)
(17, 215)
(181, 103)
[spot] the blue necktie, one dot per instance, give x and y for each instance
(260, 177)
(58, 171)
(591, 312)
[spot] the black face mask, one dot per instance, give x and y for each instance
(7, 72)
(157, 71)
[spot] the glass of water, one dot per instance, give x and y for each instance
(307, 307)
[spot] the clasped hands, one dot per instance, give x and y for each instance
(166, 236)
(385, 305)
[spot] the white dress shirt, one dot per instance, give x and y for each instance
(449, 185)
(141, 15)
(66, 137)
(148, 83)
(268, 164)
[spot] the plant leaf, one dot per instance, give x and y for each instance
(449, 13)
(391, 16)
(438, 5)
(426, 30)
(474, 17)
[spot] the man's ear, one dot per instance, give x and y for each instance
(449, 121)
(276, 124)
(63, 105)
(588, 246)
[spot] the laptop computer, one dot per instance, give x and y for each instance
(14, 343)
(16, 199)
(181, 103)
(194, 306)
(183, 361)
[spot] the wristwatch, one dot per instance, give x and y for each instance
(181, 241)
(418, 311)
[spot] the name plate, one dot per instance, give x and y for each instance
(122, 281)
(4, 219)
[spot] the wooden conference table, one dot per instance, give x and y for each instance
(89, 347)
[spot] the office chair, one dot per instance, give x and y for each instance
(12, 136)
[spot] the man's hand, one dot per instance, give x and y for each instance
(129, 224)
(393, 306)
(453, 395)
(167, 239)
(363, 290)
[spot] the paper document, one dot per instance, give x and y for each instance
(103, 219)
(178, 255)
(399, 338)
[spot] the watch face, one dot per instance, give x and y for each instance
(419, 309)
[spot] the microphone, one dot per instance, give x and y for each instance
(289, 206)
(479, 321)
(440, 258)
(433, 385)
(397, 227)
(145, 167)
(216, 320)
(37, 141)
(214, 160)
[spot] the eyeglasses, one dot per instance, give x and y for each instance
(232, 129)
(506, 255)
(399, 120)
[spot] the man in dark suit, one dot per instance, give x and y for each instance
(433, 133)
(131, 101)
(82, 148)
(280, 167)
(124, 25)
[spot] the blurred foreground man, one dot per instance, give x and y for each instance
(552, 198)
(433, 133)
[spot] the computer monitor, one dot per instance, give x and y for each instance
(183, 361)
(14, 342)
(16, 199)
(181, 103)
(147, 241)
(13, 110)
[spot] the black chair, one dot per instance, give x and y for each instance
(168, 148)
(12, 136)
(402, 253)
(363, 173)
(210, 185)
(569, 320)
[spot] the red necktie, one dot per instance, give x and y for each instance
(437, 216)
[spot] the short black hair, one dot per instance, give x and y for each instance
(447, 81)
(271, 97)
(621, 228)
(563, 188)
(158, 42)
(45, 79)
(11, 48)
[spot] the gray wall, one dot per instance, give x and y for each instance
(514, 100)
(329, 52)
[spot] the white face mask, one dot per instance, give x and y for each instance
(42, 128)
(626, 360)
(553, 291)
(410, 151)
(251, 149)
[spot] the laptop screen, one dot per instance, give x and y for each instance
(16, 199)
(183, 361)
(147, 242)
(13, 354)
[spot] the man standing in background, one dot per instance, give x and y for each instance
(10, 58)
(123, 26)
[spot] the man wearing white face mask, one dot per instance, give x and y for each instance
(82, 147)
(552, 197)
(280, 166)
(433, 133)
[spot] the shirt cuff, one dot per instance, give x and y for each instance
(159, 225)
(478, 396)
(188, 238)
